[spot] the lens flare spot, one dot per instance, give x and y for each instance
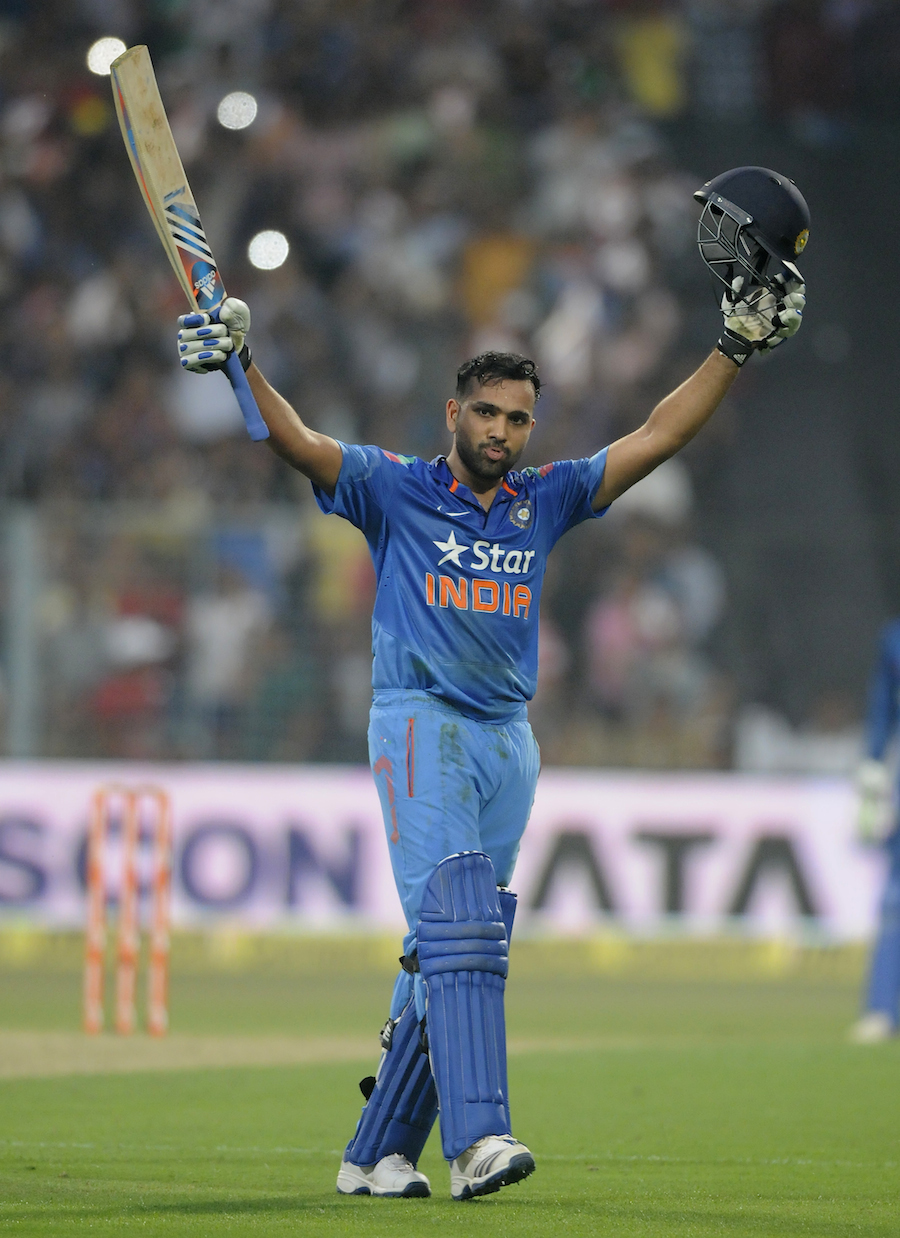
(237, 110)
(102, 53)
(268, 250)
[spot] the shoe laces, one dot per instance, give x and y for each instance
(397, 1160)
(480, 1143)
(481, 1146)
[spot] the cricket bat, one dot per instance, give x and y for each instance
(167, 194)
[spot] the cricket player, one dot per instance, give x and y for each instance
(460, 547)
(877, 822)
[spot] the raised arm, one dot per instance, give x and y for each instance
(204, 345)
(755, 322)
(317, 456)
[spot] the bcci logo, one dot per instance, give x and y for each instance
(520, 514)
(206, 284)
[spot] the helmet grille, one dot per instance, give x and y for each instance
(730, 252)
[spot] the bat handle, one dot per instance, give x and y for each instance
(256, 427)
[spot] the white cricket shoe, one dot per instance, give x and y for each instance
(872, 1029)
(392, 1178)
(491, 1162)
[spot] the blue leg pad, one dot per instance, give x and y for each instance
(401, 1110)
(463, 956)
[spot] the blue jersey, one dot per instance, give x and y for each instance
(884, 693)
(459, 588)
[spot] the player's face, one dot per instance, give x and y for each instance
(492, 426)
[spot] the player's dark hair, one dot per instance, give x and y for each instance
(490, 367)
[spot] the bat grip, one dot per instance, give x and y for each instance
(256, 427)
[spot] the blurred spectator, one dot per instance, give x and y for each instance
(642, 648)
(282, 718)
(651, 48)
(139, 636)
(222, 631)
(829, 743)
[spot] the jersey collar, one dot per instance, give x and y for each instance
(511, 488)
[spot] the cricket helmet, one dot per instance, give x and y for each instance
(754, 223)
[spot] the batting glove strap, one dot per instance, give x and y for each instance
(245, 357)
(735, 347)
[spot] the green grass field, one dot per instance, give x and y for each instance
(654, 1106)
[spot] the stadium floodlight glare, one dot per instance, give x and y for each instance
(102, 53)
(237, 110)
(268, 250)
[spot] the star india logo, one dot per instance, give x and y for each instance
(484, 594)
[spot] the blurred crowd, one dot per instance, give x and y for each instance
(451, 176)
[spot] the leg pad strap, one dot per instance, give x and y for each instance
(402, 1105)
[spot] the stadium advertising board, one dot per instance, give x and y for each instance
(279, 846)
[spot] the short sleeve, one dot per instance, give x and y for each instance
(570, 486)
(365, 487)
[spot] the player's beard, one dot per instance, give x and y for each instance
(479, 464)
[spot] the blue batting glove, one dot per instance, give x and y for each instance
(204, 342)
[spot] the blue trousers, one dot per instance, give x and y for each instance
(446, 784)
(884, 978)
